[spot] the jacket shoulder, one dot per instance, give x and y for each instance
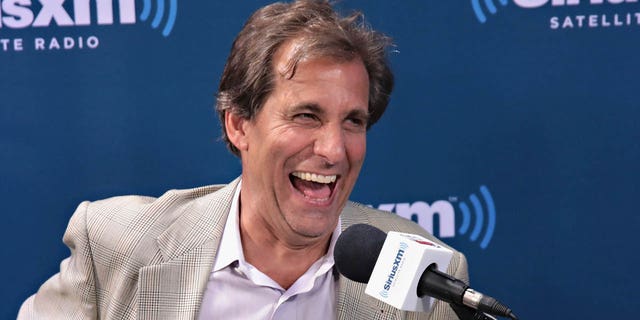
(140, 212)
(129, 226)
(129, 205)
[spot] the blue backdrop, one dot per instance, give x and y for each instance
(513, 133)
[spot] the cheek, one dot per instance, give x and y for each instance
(289, 141)
(356, 147)
(287, 149)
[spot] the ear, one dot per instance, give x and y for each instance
(236, 130)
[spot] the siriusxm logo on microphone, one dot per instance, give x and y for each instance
(573, 17)
(394, 269)
(475, 218)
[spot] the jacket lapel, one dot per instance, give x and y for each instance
(173, 288)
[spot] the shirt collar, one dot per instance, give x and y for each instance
(230, 249)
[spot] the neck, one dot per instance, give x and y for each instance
(283, 258)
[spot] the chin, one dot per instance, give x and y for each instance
(314, 229)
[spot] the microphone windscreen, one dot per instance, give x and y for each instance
(357, 251)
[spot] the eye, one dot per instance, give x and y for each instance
(357, 123)
(305, 118)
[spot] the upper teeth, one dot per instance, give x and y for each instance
(315, 177)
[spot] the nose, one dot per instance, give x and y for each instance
(330, 144)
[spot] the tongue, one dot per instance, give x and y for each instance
(312, 189)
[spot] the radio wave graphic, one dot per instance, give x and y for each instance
(160, 9)
(475, 4)
(479, 217)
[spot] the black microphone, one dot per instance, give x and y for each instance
(356, 253)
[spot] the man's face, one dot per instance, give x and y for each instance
(303, 151)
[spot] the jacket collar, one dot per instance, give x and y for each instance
(173, 288)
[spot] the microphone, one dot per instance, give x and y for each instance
(366, 254)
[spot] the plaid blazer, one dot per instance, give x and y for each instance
(136, 257)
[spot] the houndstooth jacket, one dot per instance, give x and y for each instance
(138, 257)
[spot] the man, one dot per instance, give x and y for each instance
(298, 93)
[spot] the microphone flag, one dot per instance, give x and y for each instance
(401, 262)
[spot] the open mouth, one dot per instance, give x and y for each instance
(314, 186)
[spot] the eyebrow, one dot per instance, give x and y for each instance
(315, 108)
(307, 106)
(364, 115)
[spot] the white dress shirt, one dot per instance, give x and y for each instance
(237, 290)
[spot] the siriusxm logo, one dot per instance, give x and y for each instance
(482, 217)
(540, 3)
(578, 20)
(157, 18)
(17, 14)
(394, 269)
(20, 14)
(491, 7)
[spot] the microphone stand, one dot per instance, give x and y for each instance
(466, 313)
